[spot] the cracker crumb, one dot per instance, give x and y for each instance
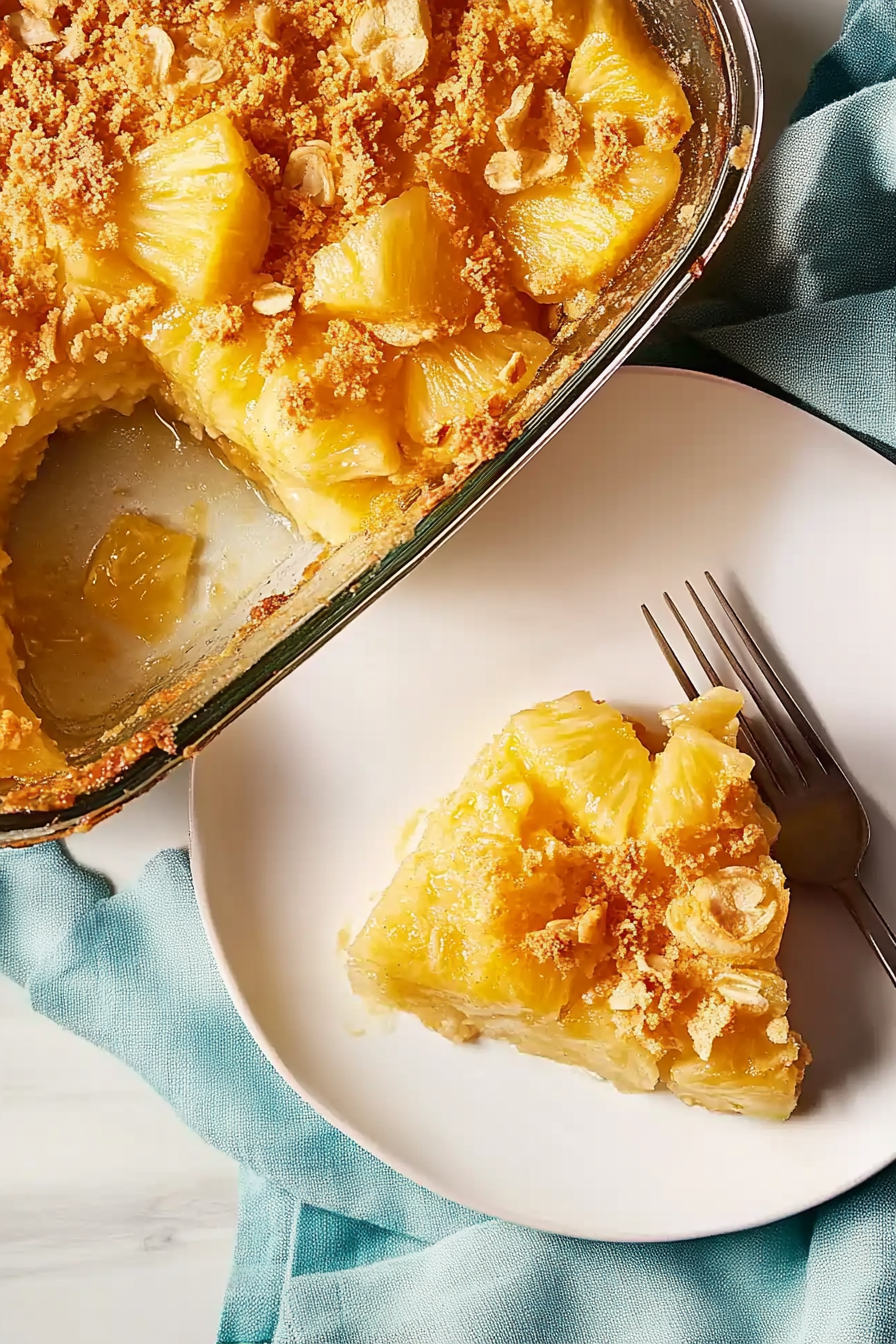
(708, 1023)
(778, 1031)
(740, 154)
(14, 730)
(611, 148)
(220, 323)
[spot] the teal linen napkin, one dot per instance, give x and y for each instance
(333, 1247)
(809, 272)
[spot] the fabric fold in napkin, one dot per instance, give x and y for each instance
(333, 1247)
(809, 272)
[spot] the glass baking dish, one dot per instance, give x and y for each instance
(300, 605)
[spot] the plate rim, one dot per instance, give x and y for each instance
(407, 1169)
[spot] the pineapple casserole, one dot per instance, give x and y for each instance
(329, 234)
(588, 901)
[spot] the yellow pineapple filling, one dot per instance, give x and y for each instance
(330, 238)
(190, 215)
(601, 906)
(564, 235)
(617, 73)
(138, 575)
(397, 270)
(449, 381)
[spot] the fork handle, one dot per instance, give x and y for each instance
(872, 923)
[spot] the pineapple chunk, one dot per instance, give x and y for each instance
(138, 575)
(716, 712)
(95, 279)
(567, 22)
(336, 512)
(101, 277)
(214, 384)
(319, 474)
(588, 756)
(397, 271)
(189, 213)
(617, 70)
(590, 1040)
(453, 379)
(746, 1073)
(487, 872)
(693, 777)
(350, 446)
(570, 234)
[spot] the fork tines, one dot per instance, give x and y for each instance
(790, 746)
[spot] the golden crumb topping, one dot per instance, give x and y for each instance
(663, 932)
(345, 103)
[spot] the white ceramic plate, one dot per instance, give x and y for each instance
(297, 808)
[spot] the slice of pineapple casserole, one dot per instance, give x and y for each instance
(327, 233)
(602, 906)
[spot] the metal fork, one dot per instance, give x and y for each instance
(824, 827)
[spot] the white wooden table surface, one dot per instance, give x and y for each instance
(116, 1222)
